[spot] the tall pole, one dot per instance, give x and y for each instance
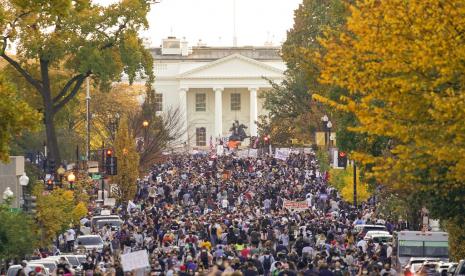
(102, 183)
(355, 185)
(88, 120)
(234, 24)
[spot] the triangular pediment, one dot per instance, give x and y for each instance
(233, 66)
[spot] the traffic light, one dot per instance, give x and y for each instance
(109, 153)
(111, 166)
(342, 159)
(50, 184)
(266, 139)
(30, 204)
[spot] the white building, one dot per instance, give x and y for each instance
(213, 86)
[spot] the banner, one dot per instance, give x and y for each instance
(253, 153)
(135, 260)
(296, 206)
(282, 154)
(242, 153)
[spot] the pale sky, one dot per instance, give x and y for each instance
(212, 21)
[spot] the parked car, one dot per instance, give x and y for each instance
(13, 270)
(452, 269)
(90, 242)
(460, 270)
(115, 224)
(414, 265)
(364, 228)
(444, 266)
(49, 264)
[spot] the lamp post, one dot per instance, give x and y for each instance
(71, 179)
(329, 125)
(61, 171)
(325, 120)
(145, 124)
(23, 181)
(7, 196)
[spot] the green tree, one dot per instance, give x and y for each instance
(84, 38)
(16, 116)
(18, 234)
(128, 162)
(292, 99)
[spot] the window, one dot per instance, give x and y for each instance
(158, 102)
(201, 137)
(200, 102)
(235, 101)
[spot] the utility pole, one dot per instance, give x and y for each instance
(88, 120)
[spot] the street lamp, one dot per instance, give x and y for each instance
(8, 195)
(145, 124)
(23, 181)
(329, 125)
(325, 120)
(61, 171)
(71, 179)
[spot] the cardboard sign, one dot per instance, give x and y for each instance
(253, 153)
(296, 206)
(135, 260)
(282, 154)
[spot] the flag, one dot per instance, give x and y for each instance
(211, 143)
(255, 144)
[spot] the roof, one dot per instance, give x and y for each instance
(203, 53)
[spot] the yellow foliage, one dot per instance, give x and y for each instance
(57, 210)
(343, 181)
(403, 63)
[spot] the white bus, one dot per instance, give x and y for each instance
(418, 244)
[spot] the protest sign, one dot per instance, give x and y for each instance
(135, 260)
(297, 206)
(282, 154)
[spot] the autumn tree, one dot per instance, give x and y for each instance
(16, 116)
(403, 64)
(128, 162)
(57, 210)
(84, 38)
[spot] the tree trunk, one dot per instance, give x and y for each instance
(52, 142)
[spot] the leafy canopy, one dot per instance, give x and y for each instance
(403, 64)
(16, 116)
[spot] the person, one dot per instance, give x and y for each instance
(70, 237)
(24, 270)
(388, 270)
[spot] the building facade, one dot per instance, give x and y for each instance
(214, 86)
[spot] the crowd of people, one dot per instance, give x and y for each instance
(224, 215)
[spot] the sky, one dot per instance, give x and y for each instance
(257, 21)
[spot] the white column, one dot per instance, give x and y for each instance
(218, 111)
(253, 111)
(183, 112)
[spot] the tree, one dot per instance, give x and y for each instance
(16, 116)
(128, 162)
(403, 64)
(56, 211)
(343, 181)
(18, 235)
(292, 99)
(86, 39)
(160, 133)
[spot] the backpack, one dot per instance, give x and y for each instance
(267, 263)
(204, 257)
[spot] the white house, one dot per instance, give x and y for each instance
(214, 86)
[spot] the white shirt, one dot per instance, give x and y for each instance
(71, 235)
